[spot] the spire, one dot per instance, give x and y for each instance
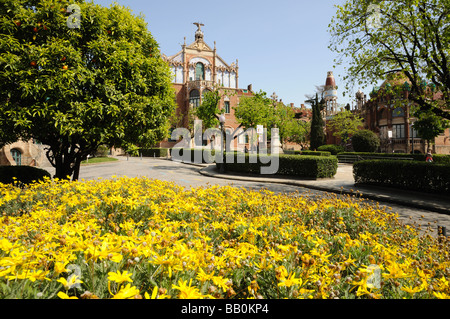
(199, 43)
(199, 32)
(331, 82)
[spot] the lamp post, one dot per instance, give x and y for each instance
(411, 125)
(222, 129)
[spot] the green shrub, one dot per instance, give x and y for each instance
(316, 153)
(154, 152)
(365, 141)
(440, 159)
(333, 149)
(307, 152)
(437, 158)
(291, 165)
(102, 151)
(193, 155)
(413, 175)
(292, 152)
(22, 174)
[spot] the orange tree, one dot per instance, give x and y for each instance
(78, 75)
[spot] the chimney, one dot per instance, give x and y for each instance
(292, 105)
(250, 87)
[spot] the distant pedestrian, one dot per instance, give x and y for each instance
(429, 157)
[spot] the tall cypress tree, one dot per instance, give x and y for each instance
(317, 137)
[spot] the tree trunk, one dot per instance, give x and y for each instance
(63, 169)
(76, 169)
(67, 158)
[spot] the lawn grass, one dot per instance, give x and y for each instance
(96, 160)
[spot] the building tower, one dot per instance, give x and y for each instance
(198, 69)
(360, 100)
(330, 95)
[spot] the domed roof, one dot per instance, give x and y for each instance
(330, 79)
(397, 79)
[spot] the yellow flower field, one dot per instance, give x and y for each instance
(143, 238)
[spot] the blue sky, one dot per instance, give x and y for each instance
(282, 45)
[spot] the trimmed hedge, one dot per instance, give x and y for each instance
(333, 149)
(193, 155)
(23, 175)
(412, 175)
(154, 152)
(301, 166)
(316, 153)
(306, 152)
(440, 159)
(437, 158)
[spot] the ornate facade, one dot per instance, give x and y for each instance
(27, 153)
(197, 69)
(388, 114)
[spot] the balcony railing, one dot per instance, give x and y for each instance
(200, 84)
(404, 140)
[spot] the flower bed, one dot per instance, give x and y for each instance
(142, 238)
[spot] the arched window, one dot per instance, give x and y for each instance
(398, 112)
(17, 156)
(194, 98)
(199, 71)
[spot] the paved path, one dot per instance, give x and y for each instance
(410, 206)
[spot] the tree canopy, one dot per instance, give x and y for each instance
(411, 37)
(259, 109)
(344, 124)
(429, 126)
(255, 110)
(74, 85)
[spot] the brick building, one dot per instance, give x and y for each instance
(27, 153)
(388, 114)
(197, 69)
